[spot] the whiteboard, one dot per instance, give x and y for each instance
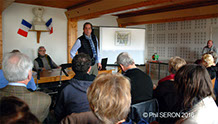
(115, 40)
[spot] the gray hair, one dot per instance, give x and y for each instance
(40, 48)
(124, 59)
(16, 66)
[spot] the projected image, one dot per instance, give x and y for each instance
(122, 38)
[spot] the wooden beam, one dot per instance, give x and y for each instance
(169, 7)
(4, 4)
(83, 4)
(171, 16)
(109, 6)
(71, 36)
(1, 48)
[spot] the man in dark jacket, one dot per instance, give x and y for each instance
(43, 61)
(73, 98)
(88, 44)
(141, 84)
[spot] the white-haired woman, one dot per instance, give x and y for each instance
(208, 62)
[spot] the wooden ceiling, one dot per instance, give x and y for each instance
(65, 4)
(133, 12)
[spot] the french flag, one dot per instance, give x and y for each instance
(49, 25)
(24, 28)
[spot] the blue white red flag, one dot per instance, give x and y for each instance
(24, 28)
(49, 25)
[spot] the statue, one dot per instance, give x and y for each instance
(38, 22)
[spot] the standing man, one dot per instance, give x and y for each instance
(88, 44)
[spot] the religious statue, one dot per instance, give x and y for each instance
(38, 22)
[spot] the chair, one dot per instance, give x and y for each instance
(63, 67)
(104, 63)
(144, 110)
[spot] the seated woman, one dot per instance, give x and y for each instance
(15, 111)
(194, 87)
(110, 98)
(165, 92)
(174, 64)
(208, 62)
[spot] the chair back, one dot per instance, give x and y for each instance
(147, 110)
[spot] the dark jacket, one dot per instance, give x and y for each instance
(73, 98)
(141, 85)
(167, 98)
(86, 47)
(41, 65)
(212, 71)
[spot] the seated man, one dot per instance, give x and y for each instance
(141, 84)
(3, 82)
(43, 61)
(210, 49)
(73, 98)
(17, 69)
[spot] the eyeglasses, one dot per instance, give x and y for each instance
(42, 50)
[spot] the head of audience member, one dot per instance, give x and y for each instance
(87, 28)
(110, 98)
(15, 50)
(17, 67)
(208, 60)
(193, 84)
(209, 43)
(125, 61)
(81, 63)
(15, 111)
(175, 63)
(41, 51)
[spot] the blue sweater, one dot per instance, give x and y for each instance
(4, 82)
(73, 98)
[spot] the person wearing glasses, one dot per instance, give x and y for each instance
(43, 61)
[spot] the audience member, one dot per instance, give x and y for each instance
(109, 98)
(43, 61)
(208, 62)
(194, 87)
(81, 118)
(17, 69)
(141, 84)
(174, 64)
(3, 82)
(165, 92)
(15, 111)
(73, 98)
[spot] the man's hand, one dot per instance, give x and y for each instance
(99, 66)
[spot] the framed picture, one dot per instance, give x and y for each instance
(122, 38)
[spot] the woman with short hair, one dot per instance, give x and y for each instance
(110, 98)
(208, 62)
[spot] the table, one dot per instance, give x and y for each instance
(159, 63)
(54, 75)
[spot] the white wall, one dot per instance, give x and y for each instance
(100, 21)
(56, 43)
(183, 38)
(135, 47)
